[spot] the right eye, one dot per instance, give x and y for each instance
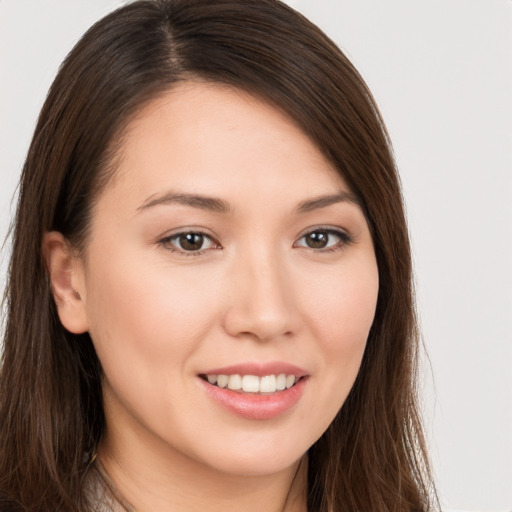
(190, 242)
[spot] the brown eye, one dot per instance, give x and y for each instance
(324, 239)
(317, 239)
(191, 241)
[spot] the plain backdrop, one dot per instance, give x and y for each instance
(441, 73)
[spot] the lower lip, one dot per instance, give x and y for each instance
(255, 406)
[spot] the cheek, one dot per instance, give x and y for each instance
(338, 307)
(343, 306)
(146, 322)
(140, 312)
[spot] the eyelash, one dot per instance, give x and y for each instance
(167, 242)
(344, 239)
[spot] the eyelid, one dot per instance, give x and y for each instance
(166, 241)
(345, 238)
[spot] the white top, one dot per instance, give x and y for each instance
(102, 493)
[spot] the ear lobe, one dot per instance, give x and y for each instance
(67, 281)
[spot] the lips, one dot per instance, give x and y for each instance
(255, 391)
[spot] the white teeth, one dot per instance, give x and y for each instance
(281, 382)
(235, 382)
(222, 381)
(268, 384)
(253, 383)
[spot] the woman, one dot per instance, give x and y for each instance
(209, 299)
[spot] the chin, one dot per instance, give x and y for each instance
(257, 466)
(254, 457)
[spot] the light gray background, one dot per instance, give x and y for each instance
(441, 73)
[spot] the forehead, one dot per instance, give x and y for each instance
(216, 139)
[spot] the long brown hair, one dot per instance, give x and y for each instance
(372, 457)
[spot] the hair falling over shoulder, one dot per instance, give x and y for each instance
(373, 456)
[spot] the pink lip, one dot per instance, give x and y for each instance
(258, 369)
(256, 406)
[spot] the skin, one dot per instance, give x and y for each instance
(256, 291)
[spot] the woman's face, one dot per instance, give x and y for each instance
(225, 249)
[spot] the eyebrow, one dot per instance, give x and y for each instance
(324, 201)
(196, 201)
(220, 206)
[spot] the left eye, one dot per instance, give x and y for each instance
(323, 239)
(190, 242)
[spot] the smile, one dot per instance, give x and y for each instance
(252, 383)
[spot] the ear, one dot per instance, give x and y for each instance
(67, 281)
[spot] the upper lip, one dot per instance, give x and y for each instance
(258, 369)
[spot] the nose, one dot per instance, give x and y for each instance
(261, 300)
